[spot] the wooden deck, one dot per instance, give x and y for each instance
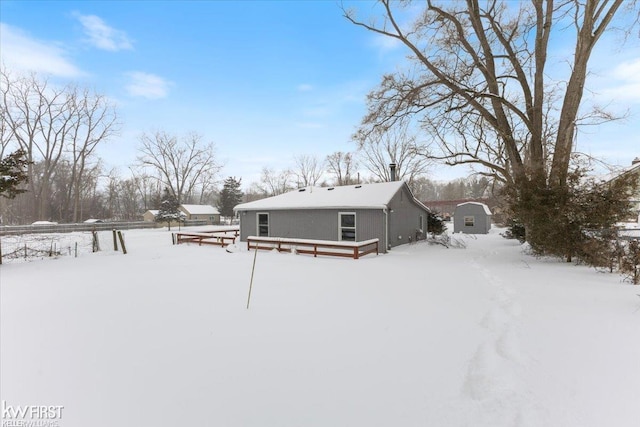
(219, 237)
(353, 250)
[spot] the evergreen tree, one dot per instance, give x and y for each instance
(169, 209)
(230, 196)
(573, 221)
(12, 174)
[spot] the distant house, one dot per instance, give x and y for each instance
(634, 169)
(472, 218)
(201, 212)
(191, 212)
(150, 215)
(387, 211)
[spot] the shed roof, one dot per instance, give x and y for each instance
(363, 196)
(484, 207)
(200, 209)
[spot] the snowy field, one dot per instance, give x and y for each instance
(422, 336)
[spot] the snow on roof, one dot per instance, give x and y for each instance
(616, 173)
(484, 207)
(200, 209)
(153, 212)
(370, 196)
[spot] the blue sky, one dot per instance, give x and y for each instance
(263, 80)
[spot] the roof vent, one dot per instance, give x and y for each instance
(330, 188)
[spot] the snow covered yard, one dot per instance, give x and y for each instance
(422, 336)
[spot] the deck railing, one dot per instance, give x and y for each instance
(353, 250)
(219, 236)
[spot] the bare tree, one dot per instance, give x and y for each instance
(47, 122)
(94, 121)
(181, 163)
(38, 117)
(273, 183)
(480, 83)
(342, 166)
(149, 187)
(379, 148)
(308, 170)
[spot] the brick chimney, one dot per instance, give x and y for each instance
(392, 169)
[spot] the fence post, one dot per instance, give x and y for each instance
(96, 242)
(0, 251)
(124, 249)
(115, 240)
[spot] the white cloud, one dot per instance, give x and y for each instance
(310, 125)
(624, 82)
(21, 52)
(304, 87)
(102, 35)
(147, 85)
(385, 44)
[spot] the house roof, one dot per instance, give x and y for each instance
(634, 168)
(484, 207)
(153, 212)
(364, 196)
(200, 209)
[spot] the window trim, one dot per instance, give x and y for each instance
(341, 228)
(258, 224)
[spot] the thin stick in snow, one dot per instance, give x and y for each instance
(255, 255)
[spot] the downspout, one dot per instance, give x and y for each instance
(386, 229)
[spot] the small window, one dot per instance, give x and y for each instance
(469, 221)
(421, 223)
(263, 225)
(347, 226)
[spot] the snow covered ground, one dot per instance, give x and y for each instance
(422, 336)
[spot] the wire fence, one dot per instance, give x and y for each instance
(28, 247)
(7, 230)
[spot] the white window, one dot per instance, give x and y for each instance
(263, 225)
(469, 221)
(347, 226)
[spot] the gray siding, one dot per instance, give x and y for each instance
(400, 223)
(482, 221)
(320, 224)
(404, 220)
